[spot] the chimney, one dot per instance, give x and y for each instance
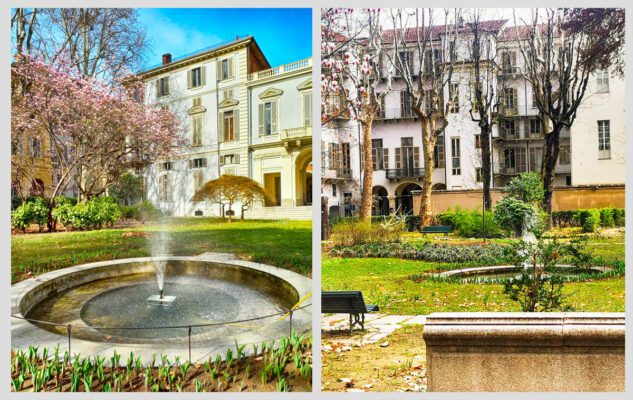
(237, 38)
(166, 58)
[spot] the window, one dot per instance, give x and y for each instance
(165, 190)
(509, 160)
(564, 154)
(534, 101)
(334, 190)
(568, 180)
(196, 77)
(198, 179)
(604, 140)
(508, 61)
(196, 130)
(455, 151)
(428, 101)
(509, 101)
(198, 163)
(405, 104)
(438, 152)
(36, 148)
(514, 160)
(479, 174)
(478, 141)
(405, 63)
(536, 127)
(431, 58)
(268, 112)
(602, 81)
(162, 86)
(307, 108)
(229, 159)
(166, 166)
(453, 94)
(379, 158)
(225, 69)
(509, 128)
(536, 158)
(228, 128)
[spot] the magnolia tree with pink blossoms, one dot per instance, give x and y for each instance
(351, 54)
(96, 131)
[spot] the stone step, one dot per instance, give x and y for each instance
(282, 212)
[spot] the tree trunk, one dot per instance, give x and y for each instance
(428, 145)
(368, 171)
(486, 165)
(550, 157)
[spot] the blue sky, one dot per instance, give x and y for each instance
(284, 34)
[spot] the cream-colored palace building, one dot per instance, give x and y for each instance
(241, 117)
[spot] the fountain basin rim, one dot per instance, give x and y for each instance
(474, 271)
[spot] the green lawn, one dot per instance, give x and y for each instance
(395, 285)
(285, 243)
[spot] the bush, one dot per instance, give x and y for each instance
(353, 232)
(33, 211)
(92, 214)
(589, 219)
(468, 223)
(510, 213)
(564, 219)
(527, 187)
(618, 217)
(492, 254)
(143, 211)
(606, 217)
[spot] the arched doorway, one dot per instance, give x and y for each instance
(380, 201)
(439, 186)
(404, 197)
(303, 174)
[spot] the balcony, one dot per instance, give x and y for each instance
(509, 71)
(343, 173)
(395, 113)
(394, 174)
(516, 170)
(290, 67)
(508, 111)
(296, 136)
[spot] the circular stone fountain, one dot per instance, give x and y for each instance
(106, 304)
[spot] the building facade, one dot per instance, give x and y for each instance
(591, 152)
(211, 94)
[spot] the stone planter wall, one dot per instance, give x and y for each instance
(545, 352)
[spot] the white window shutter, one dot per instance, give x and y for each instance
(307, 109)
(204, 162)
(236, 123)
(237, 159)
(274, 113)
(218, 69)
(385, 158)
(221, 127)
(190, 164)
(231, 68)
(416, 157)
(261, 119)
(189, 79)
(398, 158)
(157, 87)
(167, 85)
(203, 74)
(221, 160)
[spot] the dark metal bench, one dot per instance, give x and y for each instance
(349, 302)
(436, 229)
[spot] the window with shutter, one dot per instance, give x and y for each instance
(398, 158)
(275, 113)
(228, 124)
(438, 153)
(456, 156)
(416, 157)
(196, 122)
(307, 109)
(385, 158)
(260, 119)
(604, 139)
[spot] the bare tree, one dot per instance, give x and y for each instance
(482, 46)
(350, 75)
(415, 36)
(23, 24)
(104, 43)
(560, 52)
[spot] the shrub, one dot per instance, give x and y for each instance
(618, 217)
(511, 213)
(468, 223)
(33, 211)
(589, 219)
(353, 232)
(94, 213)
(606, 217)
(491, 254)
(564, 219)
(413, 223)
(143, 211)
(527, 187)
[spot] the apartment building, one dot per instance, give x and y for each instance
(591, 152)
(212, 94)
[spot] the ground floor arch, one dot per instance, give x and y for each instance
(404, 197)
(380, 201)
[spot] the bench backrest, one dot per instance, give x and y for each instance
(343, 302)
(436, 229)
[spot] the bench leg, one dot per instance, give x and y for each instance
(362, 321)
(351, 325)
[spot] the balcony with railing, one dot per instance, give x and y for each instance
(395, 113)
(512, 170)
(296, 136)
(401, 173)
(282, 69)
